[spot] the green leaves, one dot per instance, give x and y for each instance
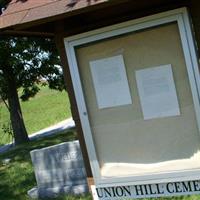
(29, 92)
(31, 60)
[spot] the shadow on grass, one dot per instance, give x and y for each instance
(21, 150)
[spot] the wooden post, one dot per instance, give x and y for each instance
(59, 36)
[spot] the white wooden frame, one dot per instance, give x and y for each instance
(181, 17)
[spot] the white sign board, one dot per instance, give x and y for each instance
(146, 191)
(110, 82)
(157, 92)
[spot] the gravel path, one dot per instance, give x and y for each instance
(61, 126)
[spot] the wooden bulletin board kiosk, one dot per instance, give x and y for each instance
(137, 88)
(132, 74)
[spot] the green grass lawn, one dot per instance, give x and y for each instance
(47, 108)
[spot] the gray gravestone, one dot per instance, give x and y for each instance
(59, 169)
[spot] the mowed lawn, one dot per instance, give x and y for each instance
(47, 108)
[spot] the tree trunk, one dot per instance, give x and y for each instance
(19, 130)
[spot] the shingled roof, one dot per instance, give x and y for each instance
(47, 17)
(19, 12)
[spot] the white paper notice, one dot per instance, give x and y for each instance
(157, 92)
(110, 82)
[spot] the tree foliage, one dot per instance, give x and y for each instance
(31, 60)
(25, 62)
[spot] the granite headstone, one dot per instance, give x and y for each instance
(59, 169)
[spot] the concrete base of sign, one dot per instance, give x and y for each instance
(54, 192)
(36, 193)
(33, 193)
(125, 169)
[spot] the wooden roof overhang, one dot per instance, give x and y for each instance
(40, 18)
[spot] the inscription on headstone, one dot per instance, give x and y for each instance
(59, 169)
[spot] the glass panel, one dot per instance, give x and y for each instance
(126, 143)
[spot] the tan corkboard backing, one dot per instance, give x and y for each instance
(120, 134)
